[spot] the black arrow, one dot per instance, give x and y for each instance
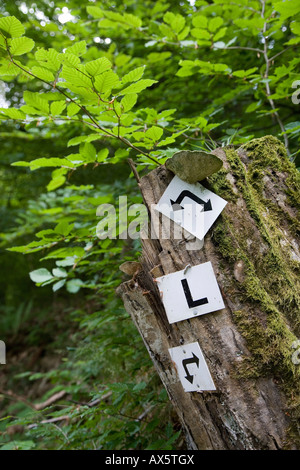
(185, 362)
(176, 204)
(192, 303)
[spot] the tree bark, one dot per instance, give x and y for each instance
(254, 250)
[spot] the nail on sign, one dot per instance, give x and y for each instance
(190, 293)
(191, 206)
(192, 368)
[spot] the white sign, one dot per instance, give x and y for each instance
(2, 353)
(191, 292)
(192, 368)
(191, 206)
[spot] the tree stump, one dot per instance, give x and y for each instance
(254, 250)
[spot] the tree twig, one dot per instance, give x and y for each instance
(134, 171)
(266, 76)
(38, 406)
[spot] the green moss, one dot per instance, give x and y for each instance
(270, 285)
(222, 186)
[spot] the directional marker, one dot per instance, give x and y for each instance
(186, 362)
(192, 303)
(176, 204)
(191, 206)
(192, 368)
(190, 293)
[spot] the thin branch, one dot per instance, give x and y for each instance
(127, 142)
(253, 49)
(281, 52)
(268, 90)
(38, 406)
(14, 396)
(134, 171)
(51, 400)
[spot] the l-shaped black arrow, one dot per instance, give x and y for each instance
(185, 362)
(191, 302)
(185, 193)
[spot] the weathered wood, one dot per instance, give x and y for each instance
(255, 255)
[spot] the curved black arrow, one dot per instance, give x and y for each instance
(185, 362)
(191, 302)
(176, 204)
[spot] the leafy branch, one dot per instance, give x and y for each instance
(83, 108)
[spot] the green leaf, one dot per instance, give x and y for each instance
(95, 12)
(11, 27)
(69, 59)
(56, 182)
(83, 138)
(134, 75)
(65, 252)
(168, 17)
(59, 272)
(21, 46)
(132, 20)
(98, 66)
(40, 275)
(106, 81)
(200, 21)
(287, 8)
(63, 228)
(76, 77)
(295, 27)
(244, 73)
(154, 133)
(18, 445)
(74, 285)
(215, 23)
(12, 113)
(102, 155)
(72, 109)
(252, 25)
(58, 285)
(88, 151)
(48, 58)
(138, 86)
(57, 107)
(43, 73)
(128, 101)
(36, 101)
(78, 49)
(125, 19)
(177, 23)
(45, 163)
(200, 33)
(220, 34)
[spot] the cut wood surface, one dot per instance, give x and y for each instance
(254, 250)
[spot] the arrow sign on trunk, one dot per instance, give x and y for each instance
(185, 363)
(187, 294)
(191, 302)
(192, 206)
(190, 356)
(176, 204)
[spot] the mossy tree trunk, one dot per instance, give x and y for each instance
(255, 254)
